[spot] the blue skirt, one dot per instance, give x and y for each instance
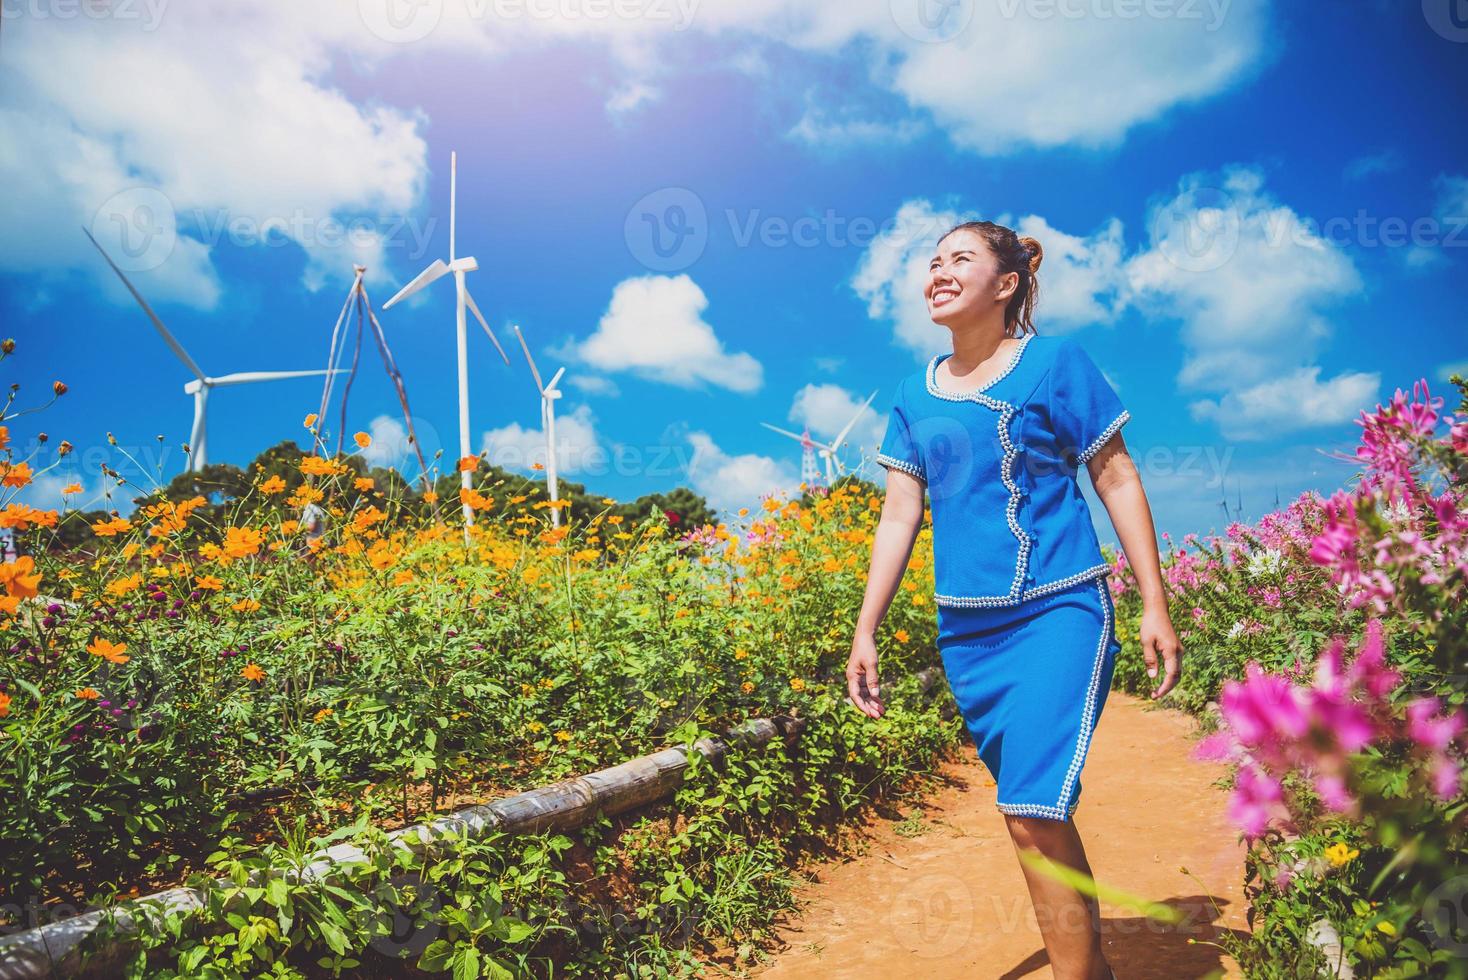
(1030, 681)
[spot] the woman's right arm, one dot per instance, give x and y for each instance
(897, 529)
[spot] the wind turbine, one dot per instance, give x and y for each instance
(438, 269)
(548, 395)
(200, 387)
(828, 451)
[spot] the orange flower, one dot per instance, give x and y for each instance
(468, 464)
(364, 483)
(304, 495)
(109, 651)
(106, 529)
(316, 466)
(322, 715)
(59, 387)
(4, 704)
(88, 694)
(473, 498)
(310, 420)
(362, 439)
(211, 582)
(4, 437)
(273, 486)
(71, 488)
(242, 542)
(17, 475)
(430, 496)
(253, 672)
(246, 606)
(20, 577)
(22, 516)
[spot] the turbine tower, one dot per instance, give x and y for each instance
(548, 395)
(436, 270)
(809, 472)
(200, 387)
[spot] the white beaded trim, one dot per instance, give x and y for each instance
(901, 464)
(977, 393)
(1065, 807)
(1107, 433)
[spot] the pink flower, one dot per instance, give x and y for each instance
(1427, 729)
(1333, 793)
(1257, 798)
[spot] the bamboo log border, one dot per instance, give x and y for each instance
(54, 949)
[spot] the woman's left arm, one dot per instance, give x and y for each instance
(1119, 486)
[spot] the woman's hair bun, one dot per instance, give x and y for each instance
(1037, 253)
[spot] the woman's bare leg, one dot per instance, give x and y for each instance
(1069, 921)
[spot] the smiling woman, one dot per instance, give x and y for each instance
(995, 433)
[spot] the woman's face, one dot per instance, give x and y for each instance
(964, 281)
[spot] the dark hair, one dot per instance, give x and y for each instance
(1014, 253)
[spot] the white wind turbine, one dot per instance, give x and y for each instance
(834, 466)
(436, 270)
(202, 383)
(548, 395)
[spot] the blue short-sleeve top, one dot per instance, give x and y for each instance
(1001, 465)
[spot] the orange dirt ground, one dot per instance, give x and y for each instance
(949, 901)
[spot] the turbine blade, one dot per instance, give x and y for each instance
(435, 271)
(552, 385)
(783, 432)
(533, 370)
(249, 377)
(474, 308)
(838, 440)
(168, 338)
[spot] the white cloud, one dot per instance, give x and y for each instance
(1246, 276)
(1291, 402)
(654, 328)
(390, 446)
(817, 128)
(1082, 280)
(731, 482)
(1384, 162)
(578, 449)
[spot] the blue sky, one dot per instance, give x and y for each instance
(1209, 180)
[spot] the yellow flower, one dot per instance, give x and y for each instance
(310, 420)
(919, 600)
(741, 654)
(212, 583)
(1338, 854)
(430, 496)
(362, 439)
(796, 684)
(316, 466)
(125, 585)
(746, 687)
(563, 736)
(535, 726)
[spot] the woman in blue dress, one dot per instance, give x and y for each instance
(995, 433)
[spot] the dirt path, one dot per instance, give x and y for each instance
(942, 896)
